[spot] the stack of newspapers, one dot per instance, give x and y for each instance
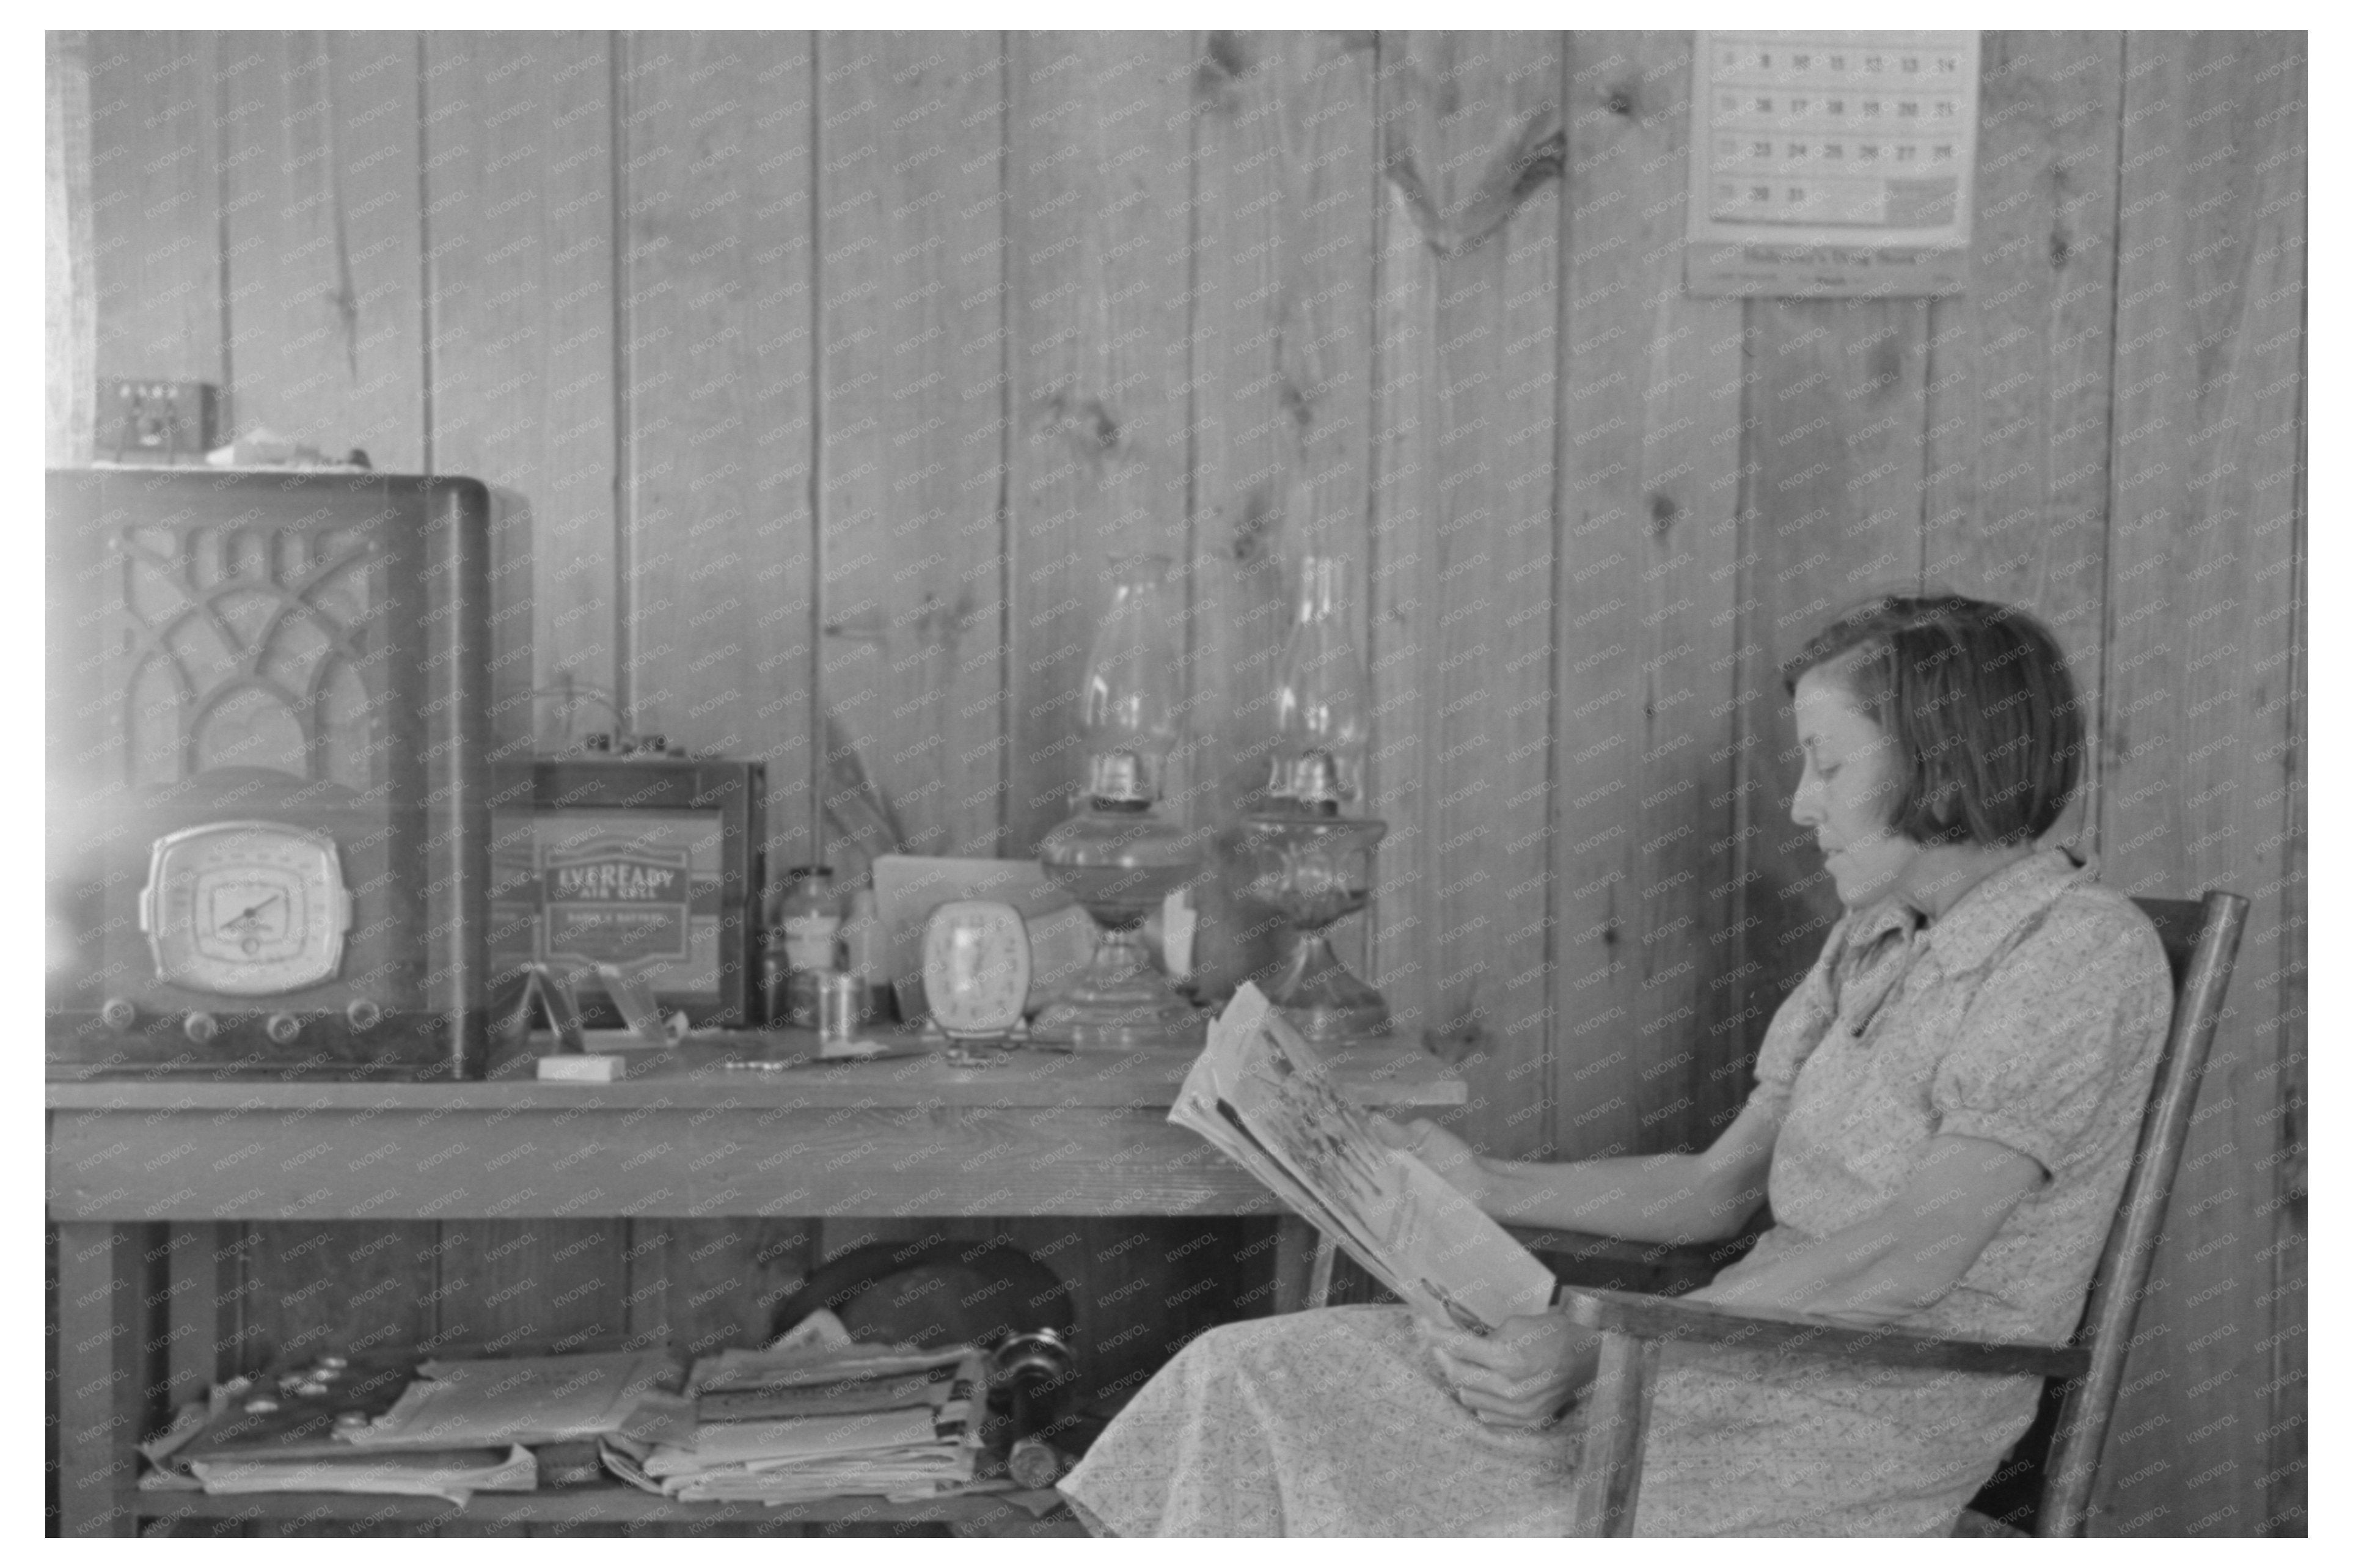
(815, 1415)
(1261, 1094)
(390, 1425)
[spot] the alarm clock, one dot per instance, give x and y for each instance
(268, 772)
(975, 968)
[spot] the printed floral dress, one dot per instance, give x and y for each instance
(2030, 1015)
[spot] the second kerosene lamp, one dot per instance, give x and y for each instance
(1117, 856)
(1312, 861)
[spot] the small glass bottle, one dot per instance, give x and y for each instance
(862, 956)
(804, 946)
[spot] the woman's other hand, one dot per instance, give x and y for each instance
(1523, 1374)
(1441, 1152)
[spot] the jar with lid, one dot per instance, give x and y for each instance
(804, 947)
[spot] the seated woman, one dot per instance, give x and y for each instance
(1944, 1114)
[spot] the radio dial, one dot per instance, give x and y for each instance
(245, 908)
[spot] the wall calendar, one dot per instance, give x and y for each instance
(1832, 165)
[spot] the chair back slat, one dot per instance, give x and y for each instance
(2201, 941)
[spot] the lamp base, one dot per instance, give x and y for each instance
(1120, 1024)
(1119, 861)
(1123, 1002)
(1322, 1001)
(1313, 868)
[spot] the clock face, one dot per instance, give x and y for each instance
(976, 967)
(245, 908)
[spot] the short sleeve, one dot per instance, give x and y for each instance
(1798, 1026)
(2052, 1058)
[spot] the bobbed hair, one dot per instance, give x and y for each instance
(1988, 730)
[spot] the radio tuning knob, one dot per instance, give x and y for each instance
(282, 1027)
(117, 1014)
(200, 1027)
(363, 1015)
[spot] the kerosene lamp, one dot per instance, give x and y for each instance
(1311, 861)
(1117, 856)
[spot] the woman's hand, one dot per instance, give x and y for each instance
(1523, 1374)
(1442, 1152)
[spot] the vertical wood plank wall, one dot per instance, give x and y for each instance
(820, 376)
(69, 269)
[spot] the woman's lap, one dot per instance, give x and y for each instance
(1330, 1423)
(1338, 1423)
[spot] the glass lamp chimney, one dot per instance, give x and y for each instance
(1323, 717)
(1130, 699)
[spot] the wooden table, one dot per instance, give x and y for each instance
(1037, 1134)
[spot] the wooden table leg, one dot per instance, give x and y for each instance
(201, 1275)
(101, 1392)
(1303, 1265)
(1319, 1273)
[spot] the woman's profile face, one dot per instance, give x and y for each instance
(1848, 790)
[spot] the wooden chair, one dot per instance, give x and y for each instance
(2201, 941)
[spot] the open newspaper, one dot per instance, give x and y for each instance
(1259, 1093)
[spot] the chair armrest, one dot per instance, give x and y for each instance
(1588, 1247)
(1672, 1318)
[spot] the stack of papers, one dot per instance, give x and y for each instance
(439, 1428)
(519, 1399)
(1262, 1096)
(456, 1475)
(239, 1441)
(816, 1416)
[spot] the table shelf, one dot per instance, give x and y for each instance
(1038, 1136)
(697, 1076)
(599, 1504)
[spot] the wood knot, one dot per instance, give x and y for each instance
(1295, 403)
(1216, 78)
(1090, 425)
(1886, 363)
(1663, 512)
(1619, 101)
(1252, 527)
(2060, 249)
